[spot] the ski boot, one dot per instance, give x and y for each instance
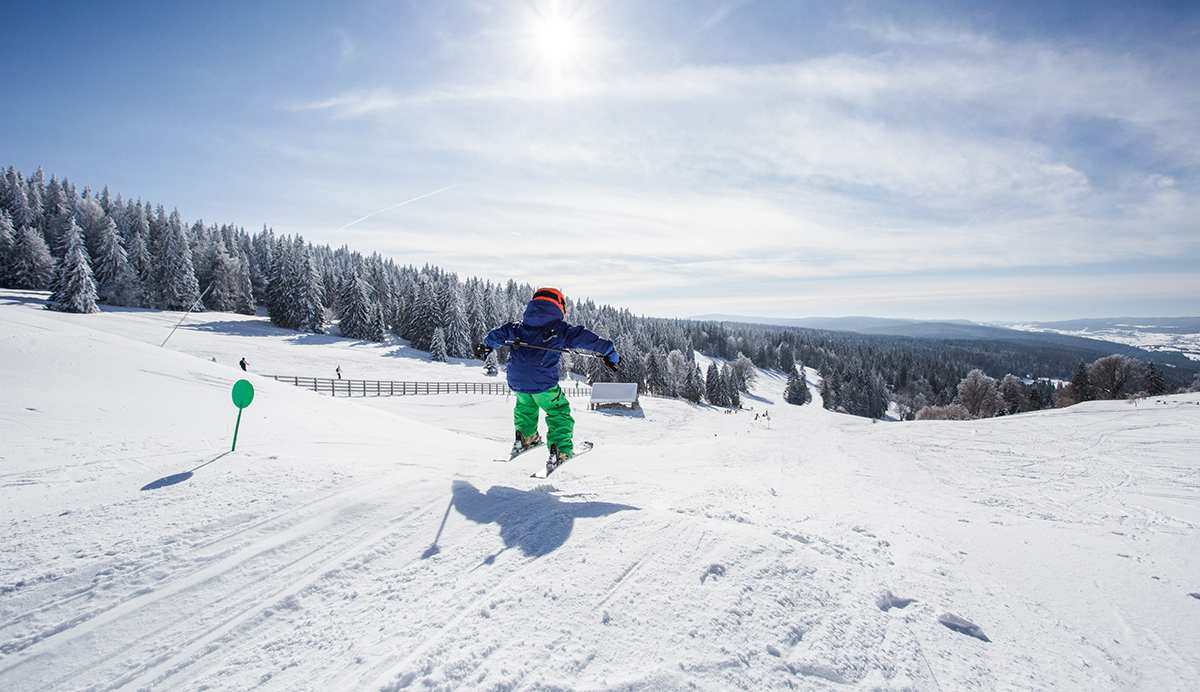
(556, 459)
(523, 443)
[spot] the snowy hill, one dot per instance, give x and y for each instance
(373, 544)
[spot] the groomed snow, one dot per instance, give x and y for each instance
(373, 544)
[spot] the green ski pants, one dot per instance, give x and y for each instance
(558, 417)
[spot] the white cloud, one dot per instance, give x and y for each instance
(953, 153)
(356, 102)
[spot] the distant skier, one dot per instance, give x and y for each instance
(339, 372)
(243, 363)
(533, 372)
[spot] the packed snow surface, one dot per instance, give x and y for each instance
(374, 544)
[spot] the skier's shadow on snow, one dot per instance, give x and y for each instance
(536, 522)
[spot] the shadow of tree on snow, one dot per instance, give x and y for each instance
(536, 522)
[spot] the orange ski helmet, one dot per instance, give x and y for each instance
(554, 296)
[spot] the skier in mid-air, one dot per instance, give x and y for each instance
(533, 370)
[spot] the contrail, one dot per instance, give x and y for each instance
(393, 207)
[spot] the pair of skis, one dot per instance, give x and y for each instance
(580, 448)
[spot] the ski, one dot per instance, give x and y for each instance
(581, 448)
(514, 455)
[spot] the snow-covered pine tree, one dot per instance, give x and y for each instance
(32, 265)
(880, 398)
(16, 202)
(159, 223)
(830, 387)
(136, 235)
(796, 391)
(176, 286)
(493, 315)
(55, 219)
(630, 369)
(692, 388)
(294, 289)
(114, 280)
(729, 382)
(476, 304)
(263, 248)
(378, 331)
(1014, 394)
(425, 313)
(72, 288)
(1081, 385)
(678, 367)
(1154, 382)
(714, 393)
(276, 293)
(223, 282)
(454, 315)
(91, 219)
(787, 359)
(244, 303)
(437, 349)
(35, 192)
(355, 307)
(307, 289)
(656, 374)
(401, 307)
(491, 364)
(8, 243)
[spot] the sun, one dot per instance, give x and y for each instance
(556, 39)
(560, 44)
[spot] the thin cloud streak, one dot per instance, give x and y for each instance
(429, 194)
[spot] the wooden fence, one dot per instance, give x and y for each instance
(336, 387)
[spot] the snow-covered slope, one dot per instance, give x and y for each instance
(373, 544)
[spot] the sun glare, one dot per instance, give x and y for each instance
(560, 43)
(556, 40)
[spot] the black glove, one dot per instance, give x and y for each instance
(516, 342)
(611, 358)
(482, 351)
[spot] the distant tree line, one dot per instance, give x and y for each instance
(1112, 377)
(88, 248)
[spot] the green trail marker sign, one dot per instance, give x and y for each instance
(243, 394)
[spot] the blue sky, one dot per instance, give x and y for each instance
(1015, 161)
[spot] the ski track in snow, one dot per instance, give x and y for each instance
(372, 544)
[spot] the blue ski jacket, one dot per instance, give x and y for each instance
(532, 370)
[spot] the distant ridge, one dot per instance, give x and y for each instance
(865, 325)
(964, 330)
(1160, 325)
